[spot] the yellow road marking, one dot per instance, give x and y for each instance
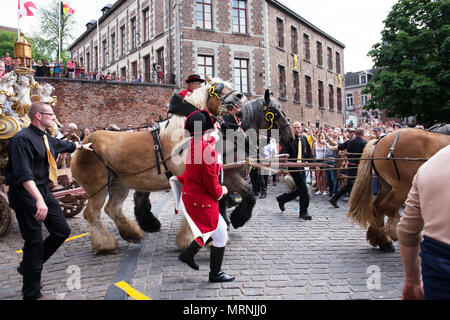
(131, 292)
(68, 239)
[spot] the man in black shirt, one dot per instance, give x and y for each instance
(31, 167)
(355, 145)
(299, 177)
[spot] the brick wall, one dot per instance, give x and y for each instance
(95, 105)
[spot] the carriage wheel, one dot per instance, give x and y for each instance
(6, 216)
(71, 209)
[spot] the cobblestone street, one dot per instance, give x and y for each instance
(274, 256)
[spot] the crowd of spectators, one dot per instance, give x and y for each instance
(59, 69)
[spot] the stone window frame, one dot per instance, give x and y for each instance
(321, 94)
(240, 88)
(146, 25)
(245, 10)
(296, 86)
(329, 58)
(319, 61)
(204, 66)
(306, 47)
(280, 33)
(331, 97)
(204, 3)
(294, 40)
(308, 91)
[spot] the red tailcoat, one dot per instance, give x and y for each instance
(201, 188)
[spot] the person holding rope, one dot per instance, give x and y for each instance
(31, 167)
(298, 148)
(201, 193)
(355, 148)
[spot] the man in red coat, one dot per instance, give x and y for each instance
(193, 82)
(201, 193)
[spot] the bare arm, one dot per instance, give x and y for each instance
(412, 285)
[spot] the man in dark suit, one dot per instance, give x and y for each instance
(299, 149)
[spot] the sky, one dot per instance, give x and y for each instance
(355, 23)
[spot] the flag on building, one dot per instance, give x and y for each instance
(339, 80)
(25, 8)
(295, 62)
(66, 9)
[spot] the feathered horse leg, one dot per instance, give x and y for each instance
(143, 212)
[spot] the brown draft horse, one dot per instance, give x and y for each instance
(411, 143)
(257, 116)
(126, 160)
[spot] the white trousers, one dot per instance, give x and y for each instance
(220, 235)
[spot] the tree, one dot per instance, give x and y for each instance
(47, 39)
(414, 54)
(7, 43)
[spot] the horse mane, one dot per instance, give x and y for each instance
(199, 97)
(252, 111)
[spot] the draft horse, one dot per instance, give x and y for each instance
(254, 116)
(395, 177)
(127, 160)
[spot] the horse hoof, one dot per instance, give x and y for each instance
(388, 248)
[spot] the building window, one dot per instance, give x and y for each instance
(147, 70)
(88, 62)
(319, 54)
(134, 71)
(349, 100)
(339, 99)
(240, 16)
(296, 86)
(241, 75)
(308, 90)
(161, 64)
(146, 16)
(363, 99)
(122, 41)
(113, 47)
(96, 58)
(306, 53)
(204, 14)
(362, 78)
(338, 62)
(330, 58)
(321, 98)
(280, 33)
(294, 40)
(133, 33)
(331, 97)
(282, 81)
(105, 53)
(205, 66)
(123, 73)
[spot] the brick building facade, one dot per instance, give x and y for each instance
(97, 104)
(255, 44)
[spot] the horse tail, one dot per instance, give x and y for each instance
(362, 209)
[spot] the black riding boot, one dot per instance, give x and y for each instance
(187, 256)
(216, 274)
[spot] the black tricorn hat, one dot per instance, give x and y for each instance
(194, 78)
(198, 122)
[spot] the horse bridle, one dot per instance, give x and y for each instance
(272, 117)
(215, 91)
